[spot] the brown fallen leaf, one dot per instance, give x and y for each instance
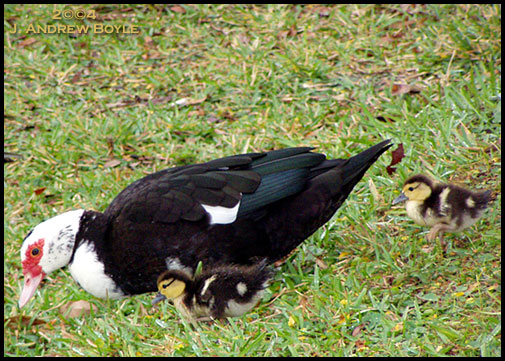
(321, 264)
(12, 322)
(399, 89)
(357, 330)
(360, 345)
(292, 31)
(77, 77)
(77, 308)
(397, 155)
(213, 119)
(178, 9)
(196, 101)
(26, 42)
(39, 191)
(112, 163)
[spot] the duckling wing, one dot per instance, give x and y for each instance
(444, 209)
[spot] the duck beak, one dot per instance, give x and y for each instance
(159, 297)
(31, 283)
(401, 198)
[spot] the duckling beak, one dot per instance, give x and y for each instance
(159, 297)
(401, 198)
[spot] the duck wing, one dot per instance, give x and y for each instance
(190, 193)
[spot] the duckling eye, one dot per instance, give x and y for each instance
(411, 189)
(35, 252)
(166, 284)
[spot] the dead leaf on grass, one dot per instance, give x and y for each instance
(77, 308)
(399, 89)
(112, 163)
(178, 9)
(26, 42)
(39, 191)
(12, 322)
(291, 32)
(397, 155)
(357, 330)
(321, 264)
(77, 77)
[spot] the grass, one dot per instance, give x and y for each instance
(91, 113)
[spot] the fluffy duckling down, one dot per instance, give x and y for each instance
(224, 291)
(443, 207)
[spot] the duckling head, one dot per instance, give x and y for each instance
(171, 285)
(416, 188)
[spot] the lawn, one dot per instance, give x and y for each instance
(154, 86)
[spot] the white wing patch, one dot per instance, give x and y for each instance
(241, 288)
(222, 215)
(207, 283)
(470, 202)
(444, 206)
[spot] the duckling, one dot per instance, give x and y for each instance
(223, 291)
(444, 207)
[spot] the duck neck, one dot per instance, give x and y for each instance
(90, 261)
(92, 229)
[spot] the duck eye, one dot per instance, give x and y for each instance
(411, 189)
(35, 252)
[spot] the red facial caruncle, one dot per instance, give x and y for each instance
(32, 270)
(33, 256)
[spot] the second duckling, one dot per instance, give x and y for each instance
(444, 207)
(224, 291)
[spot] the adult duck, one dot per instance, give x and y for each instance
(233, 210)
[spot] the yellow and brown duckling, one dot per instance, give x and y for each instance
(223, 291)
(443, 207)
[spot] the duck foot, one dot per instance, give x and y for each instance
(432, 235)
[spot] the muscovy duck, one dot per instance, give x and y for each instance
(443, 207)
(234, 210)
